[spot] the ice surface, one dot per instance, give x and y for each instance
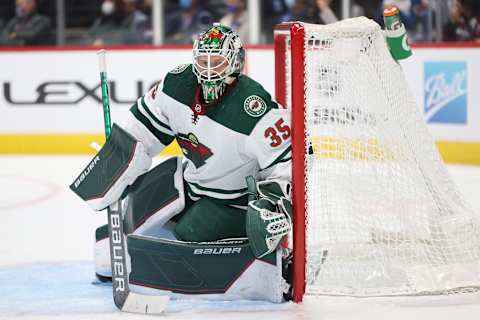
(46, 272)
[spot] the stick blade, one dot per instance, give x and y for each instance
(136, 303)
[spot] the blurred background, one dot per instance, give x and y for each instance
(129, 22)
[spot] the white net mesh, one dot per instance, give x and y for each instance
(383, 216)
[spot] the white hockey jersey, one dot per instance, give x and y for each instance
(244, 133)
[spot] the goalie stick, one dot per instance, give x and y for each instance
(123, 298)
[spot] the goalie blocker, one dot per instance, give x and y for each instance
(218, 270)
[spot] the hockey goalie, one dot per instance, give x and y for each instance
(196, 225)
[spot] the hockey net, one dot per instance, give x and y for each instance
(376, 212)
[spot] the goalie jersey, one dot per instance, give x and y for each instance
(243, 133)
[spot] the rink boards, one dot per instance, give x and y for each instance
(50, 98)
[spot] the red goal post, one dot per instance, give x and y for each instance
(282, 41)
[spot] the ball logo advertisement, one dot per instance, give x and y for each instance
(445, 92)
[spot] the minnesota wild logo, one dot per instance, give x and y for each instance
(254, 106)
(213, 38)
(194, 150)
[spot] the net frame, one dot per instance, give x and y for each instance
(296, 67)
(290, 42)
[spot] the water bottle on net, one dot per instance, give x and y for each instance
(396, 34)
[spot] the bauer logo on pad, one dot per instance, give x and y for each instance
(445, 92)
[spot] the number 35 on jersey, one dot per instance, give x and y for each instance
(278, 133)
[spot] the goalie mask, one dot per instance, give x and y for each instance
(218, 59)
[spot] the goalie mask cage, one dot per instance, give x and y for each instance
(376, 212)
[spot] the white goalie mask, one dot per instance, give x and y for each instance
(218, 58)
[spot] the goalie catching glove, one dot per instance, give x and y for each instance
(268, 215)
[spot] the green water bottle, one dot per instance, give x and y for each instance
(396, 34)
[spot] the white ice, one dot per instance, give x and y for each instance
(46, 238)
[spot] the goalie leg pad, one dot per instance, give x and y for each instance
(152, 201)
(155, 198)
(102, 252)
(206, 220)
(222, 270)
(120, 161)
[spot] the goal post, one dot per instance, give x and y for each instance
(289, 77)
(375, 210)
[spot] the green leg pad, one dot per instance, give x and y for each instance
(206, 220)
(189, 268)
(150, 193)
(101, 233)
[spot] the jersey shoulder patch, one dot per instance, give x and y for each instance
(244, 106)
(255, 106)
(256, 101)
